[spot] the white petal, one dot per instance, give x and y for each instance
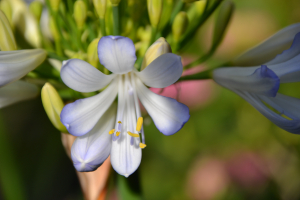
(91, 150)
(82, 115)
(83, 77)
(17, 91)
(117, 54)
(125, 158)
(261, 80)
(292, 126)
(16, 64)
(269, 48)
(168, 115)
(288, 54)
(163, 71)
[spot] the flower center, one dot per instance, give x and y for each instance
(128, 104)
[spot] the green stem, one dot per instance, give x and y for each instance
(153, 35)
(102, 26)
(116, 27)
(199, 76)
(201, 59)
(10, 178)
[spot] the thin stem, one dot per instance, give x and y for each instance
(102, 26)
(199, 76)
(153, 35)
(116, 25)
(201, 59)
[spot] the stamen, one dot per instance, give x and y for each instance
(118, 133)
(142, 145)
(119, 122)
(111, 131)
(139, 124)
(133, 134)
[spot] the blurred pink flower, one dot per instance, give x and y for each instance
(208, 179)
(194, 94)
(248, 170)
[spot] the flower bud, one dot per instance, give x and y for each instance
(80, 13)
(6, 8)
(154, 11)
(7, 39)
(180, 25)
(92, 54)
(115, 2)
(159, 47)
(54, 5)
(196, 10)
(36, 8)
(100, 6)
(53, 106)
(166, 13)
(222, 21)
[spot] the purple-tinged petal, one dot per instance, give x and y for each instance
(82, 115)
(83, 77)
(259, 80)
(162, 72)
(91, 150)
(168, 115)
(117, 54)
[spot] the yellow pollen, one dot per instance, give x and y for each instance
(111, 131)
(139, 124)
(119, 122)
(133, 134)
(118, 133)
(142, 145)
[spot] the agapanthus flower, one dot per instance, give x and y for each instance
(259, 84)
(105, 129)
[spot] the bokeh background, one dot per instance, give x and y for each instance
(226, 151)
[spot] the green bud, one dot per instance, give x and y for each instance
(166, 13)
(80, 13)
(189, 1)
(159, 47)
(54, 5)
(100, 6)
(36, 8)
(7, 39)
(6, 8)
(154, 11)
(53, 106)
(180, 25)
(92, 54)
(53, 29)
(196, 10)
(222, 21)
(115, 2)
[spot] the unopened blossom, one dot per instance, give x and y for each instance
(259, 85)
(104, 128)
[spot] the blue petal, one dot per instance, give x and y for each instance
(288, 54)
(265, 72)
(117, 54)
(168, 114)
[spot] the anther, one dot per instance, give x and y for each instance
(133, 134)
(119, 122)
(139, 124)
(111, 131)
(142, 145)
(118, 133)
